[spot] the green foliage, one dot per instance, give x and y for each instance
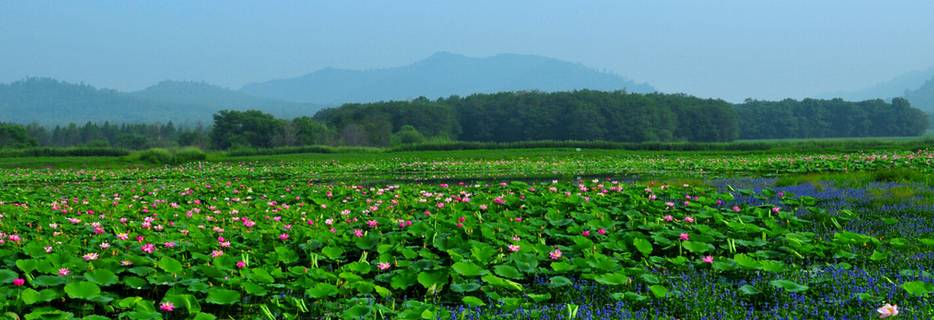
(813, 118)
(165, 157)
(373, 124)
(408, 135)
(156, 156)
(15, 136)
(64, 152)
(592, 115)
(189, 154)
(251, 128)
(328, 269)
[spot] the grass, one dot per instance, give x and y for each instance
(483, 151)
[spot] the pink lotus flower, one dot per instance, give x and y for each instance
(167, 307)
(90, 256)
(776, 209)
(515, 248)
(684, 237)
(170, 244)
(372, 223)
(48, 249)
(708, 259)
(499, 200)
(555, 255)
(19, 282)
(670, 204)
(516, 238)
(284, 236)
(689, 219)
(887, 310)
(241, 264)
(736, 209)
(216, 253)
(483, 207)
(383, 266)
(15, 238)
(601, 231)
(585, 233)
(64, 272)
(123, 236)
(652, 197)
(357, 233)
(668, 218)
(148, 248)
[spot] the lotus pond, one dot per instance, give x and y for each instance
(721, 237)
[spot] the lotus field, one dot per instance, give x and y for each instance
(568, 236)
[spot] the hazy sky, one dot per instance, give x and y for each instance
(730, 49)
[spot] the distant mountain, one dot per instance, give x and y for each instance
(204, 95)
(895, 87)
(441, 75)
(923, 97)
(49, 101)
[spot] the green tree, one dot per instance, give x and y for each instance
(251, 128)
(308, 131)
(409, 135)
(14, 136)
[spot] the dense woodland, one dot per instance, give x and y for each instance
(810, 118)
(504, 117)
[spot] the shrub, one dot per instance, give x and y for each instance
(189, 154)
(156, 156)
(165, 156)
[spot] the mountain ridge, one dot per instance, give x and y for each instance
(442, 74)
(897, 86)
(49, 101)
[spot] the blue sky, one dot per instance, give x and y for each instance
(731, 49)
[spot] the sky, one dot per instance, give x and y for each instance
(731, 49)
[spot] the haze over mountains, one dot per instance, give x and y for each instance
(443, 74)
(895, 87)
(48, 101)
(923, 98)
(917, 86)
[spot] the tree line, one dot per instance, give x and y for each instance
(506, 117)
(812, 118)
(100, 135)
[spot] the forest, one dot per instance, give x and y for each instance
(583, 115)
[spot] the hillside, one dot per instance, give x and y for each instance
(441, 75)
(923, 98)
(895, 87)
(203, 95)
(49, 101)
